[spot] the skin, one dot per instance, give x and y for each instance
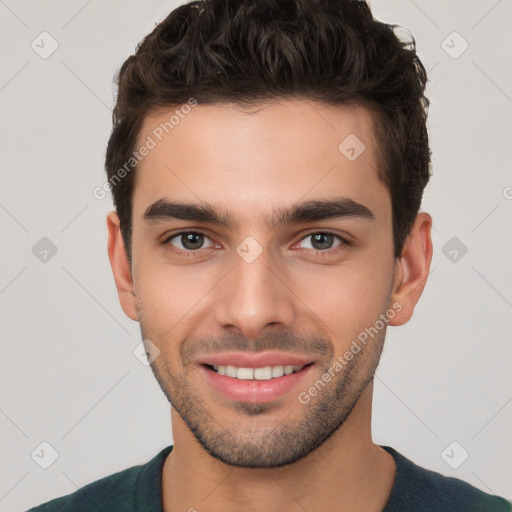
(281, 455)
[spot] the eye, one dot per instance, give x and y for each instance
(193, 241)
(188, 241)
(322, 241)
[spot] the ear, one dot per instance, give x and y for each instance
(412, 269)
(121, 267)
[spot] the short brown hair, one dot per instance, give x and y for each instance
(248, 51)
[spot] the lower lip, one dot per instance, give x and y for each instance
(255, 391)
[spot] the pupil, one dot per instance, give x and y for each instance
(192, 240)
(321, 238)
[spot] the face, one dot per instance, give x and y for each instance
(260, 248)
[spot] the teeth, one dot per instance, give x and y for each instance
(245, 373)
(230, 371)
(264, 373)
(277, 371)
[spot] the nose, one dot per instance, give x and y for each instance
(255, 297)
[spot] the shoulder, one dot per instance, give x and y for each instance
(112, 489)
(125, 490)
(426, 491)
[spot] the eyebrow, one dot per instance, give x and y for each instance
(308, 211)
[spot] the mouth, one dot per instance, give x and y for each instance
(261, 373)
(259, 384)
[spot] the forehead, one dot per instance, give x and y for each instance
(249, 160)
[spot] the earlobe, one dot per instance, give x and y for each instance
(121, 267)
(412, 269)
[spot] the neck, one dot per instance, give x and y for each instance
(348, 472)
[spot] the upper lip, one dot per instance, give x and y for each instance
(254, 359)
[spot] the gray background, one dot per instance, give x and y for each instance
(68, 374)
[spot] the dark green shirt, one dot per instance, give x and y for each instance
(415, 489)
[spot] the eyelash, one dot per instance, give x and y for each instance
(316, 252)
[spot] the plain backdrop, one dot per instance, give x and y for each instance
(69, 377)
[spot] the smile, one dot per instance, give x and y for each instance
(256, 385)
(263, 373)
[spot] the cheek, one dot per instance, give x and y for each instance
(348, 298)
(170, 297)
(162, 316)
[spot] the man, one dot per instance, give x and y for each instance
(267, 163)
